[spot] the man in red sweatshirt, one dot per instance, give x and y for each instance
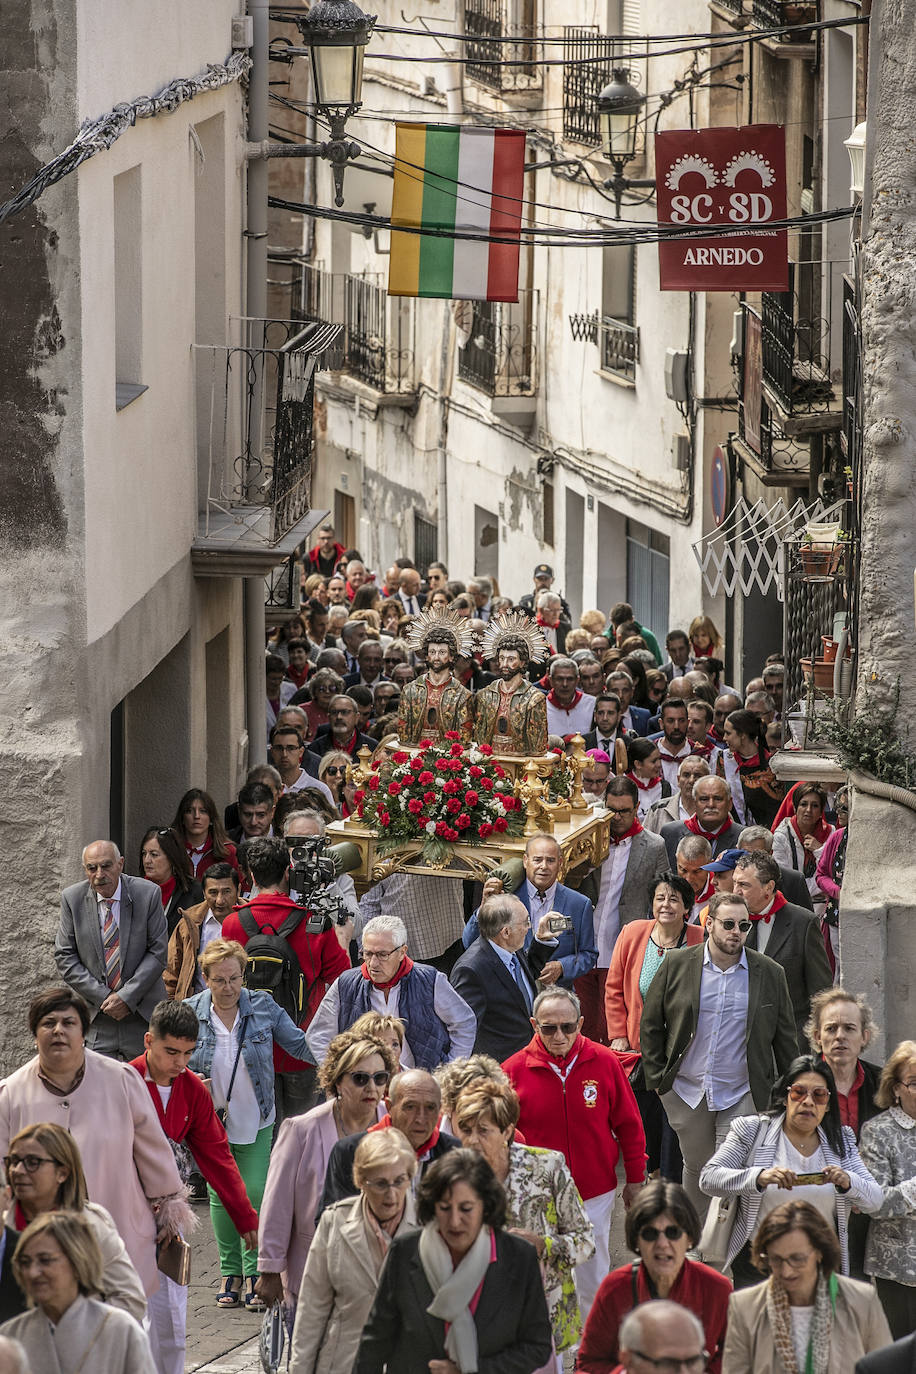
(320, 956)
(576, 1099)
(187, 1116)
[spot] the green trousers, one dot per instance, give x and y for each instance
(252, 1160)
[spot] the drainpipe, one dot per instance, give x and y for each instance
(454, 101)
(256, 308)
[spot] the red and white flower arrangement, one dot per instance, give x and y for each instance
(444, 793)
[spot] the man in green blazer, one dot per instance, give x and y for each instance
(717, 1028)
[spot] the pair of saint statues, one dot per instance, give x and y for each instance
(509, 714)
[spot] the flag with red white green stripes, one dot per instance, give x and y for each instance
(449, 178)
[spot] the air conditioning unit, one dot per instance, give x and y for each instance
(676, 375)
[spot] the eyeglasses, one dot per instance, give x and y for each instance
(31, 1163)
(728, 924)
(652, 1233)
(360, 1079)
(561, 1028)
(789, 1261)
(910, 1085)
(278, 749)
(369, 955)
(386, 1185)
(820, 1096)
(669, 1364)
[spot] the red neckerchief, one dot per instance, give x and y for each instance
(201, 849)
(424, 1149)
(644, 786)
(752, 762)
(715, 736)
(350, 744)
(404, 968)
(822, 831)
(627, 835)
(541, 621)
(573, 704)
(707, 893)
(702, 751)
(298, 678)
(351, 591)
(678, 757)
(693, 825)
(167, 890)
(20, 1220)
(779, 902)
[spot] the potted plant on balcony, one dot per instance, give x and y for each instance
(821, 551)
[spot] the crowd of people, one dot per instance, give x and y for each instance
(410, 1110)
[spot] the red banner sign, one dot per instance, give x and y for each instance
(723, 176)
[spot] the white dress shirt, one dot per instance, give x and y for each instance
(715, 1065)
(115, 902)
(539, 903)
(672, 762)
(764, 931)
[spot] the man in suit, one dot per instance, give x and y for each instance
(792, 885)
(620, 892)
(369, 666)
(541, 894)
(899, 1358)
(409, 594)
(680, 806)
(608, 728)
(342, 732)
(111, 948)
(789, 934)
(680, 659)
(712, 819)
(717, 1019)
(633, 718)
(498, 978)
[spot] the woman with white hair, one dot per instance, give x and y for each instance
(345, 1258)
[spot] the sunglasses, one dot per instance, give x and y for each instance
(563, 1028)
(335, 771)
(360, 1079)
(820, 1096)
(652, 1233)
(31, 1163)
(729, 924)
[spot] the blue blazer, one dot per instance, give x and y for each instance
(576, 949)
(640, 717)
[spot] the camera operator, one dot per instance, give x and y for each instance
(440, 1025)
(320, 958)
(308, 824)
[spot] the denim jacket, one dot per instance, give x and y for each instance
(266, 1022)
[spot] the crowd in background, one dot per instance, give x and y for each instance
(409, 1111)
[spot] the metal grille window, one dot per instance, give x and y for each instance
(376, 344)
(589, 57)
(425, 544)
(500, 354)
(648, 576)
(502, 48)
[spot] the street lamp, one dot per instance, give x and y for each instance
(855, 147)
(335, 34)
(619, 106)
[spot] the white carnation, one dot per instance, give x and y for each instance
(440, 782)
(430, 827)
(500, 809)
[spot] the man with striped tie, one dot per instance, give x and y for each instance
(111, 947)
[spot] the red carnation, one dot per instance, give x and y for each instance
(487, 784)
(394, 789)
(441, 829)
(358, 794)
(400, 756)
(453, 806)
(499, 770)
(451, 835)
(463, 821)
(443, 765)
(471, 798)
(373, 783)
(416, 764)
(456, 765)
(429, 797)
(415, 806)
(475, 771)
(452, 734)
(426, 777)
(500, 824)
(456, 751)
(485, 748)
(485, 830)
(451, 788)
(383, 817)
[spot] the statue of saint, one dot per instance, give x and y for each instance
(511, 713)
(436, 702)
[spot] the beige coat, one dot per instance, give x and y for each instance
(340, 1279)
(90, 1338)
(120, 1281)
(859, 1326)
(184, 946)
(126, 1158)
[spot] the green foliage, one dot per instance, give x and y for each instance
(870, 742)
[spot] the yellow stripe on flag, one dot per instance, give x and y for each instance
(407, 208)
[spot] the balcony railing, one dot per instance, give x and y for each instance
(589, 57)
(254, 426)
(500, 356)
(619, 344)
(501, 52)
(772, 14)
(797, 337)
(735, 7)
(376, 341)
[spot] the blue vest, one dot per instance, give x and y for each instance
(425, 1034)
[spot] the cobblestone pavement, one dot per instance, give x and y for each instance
(226, 1342)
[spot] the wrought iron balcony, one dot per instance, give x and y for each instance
(735, 7)
(589, 58)
(772, 14)
(501, 55)
(617, 340)
(777, 456)
(254, 427)
(796, 341)
(500, 356)
(376, 339)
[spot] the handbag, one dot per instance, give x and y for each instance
(723, 1212)
(223, 1112)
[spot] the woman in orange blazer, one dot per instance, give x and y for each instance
(638, 953)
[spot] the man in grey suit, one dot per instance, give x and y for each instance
(619, 890)
(111, 948)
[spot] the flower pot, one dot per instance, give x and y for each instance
(820, 562)
(820, 672)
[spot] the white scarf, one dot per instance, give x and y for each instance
(453, 1290)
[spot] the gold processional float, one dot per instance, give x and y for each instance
(468, 780)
